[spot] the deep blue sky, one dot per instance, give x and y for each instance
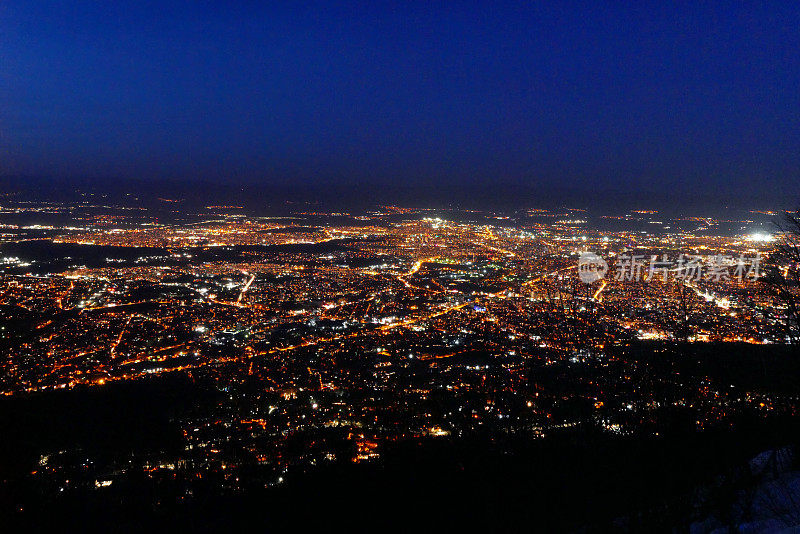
(643, 98)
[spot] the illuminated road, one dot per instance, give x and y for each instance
(596, 295)
(245, 288)
(414, 269)
(121, 334)
(546, 275)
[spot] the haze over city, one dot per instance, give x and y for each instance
(683, 100)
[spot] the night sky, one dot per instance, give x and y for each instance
(645, 98)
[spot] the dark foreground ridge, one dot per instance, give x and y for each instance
(575, 479)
